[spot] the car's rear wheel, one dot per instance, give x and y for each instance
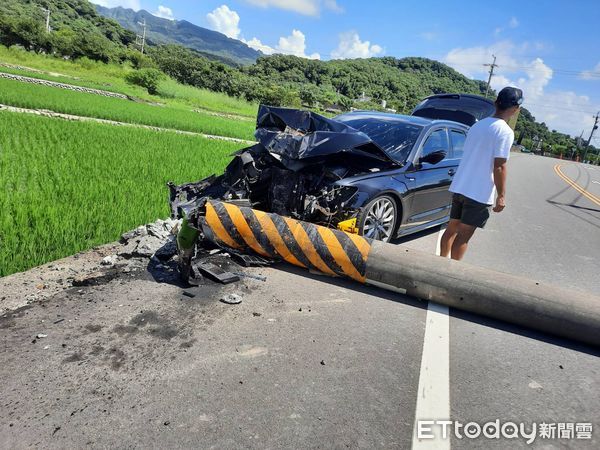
(378, 218)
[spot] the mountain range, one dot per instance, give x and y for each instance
(209, 43)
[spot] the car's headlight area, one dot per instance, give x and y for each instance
(329, 203)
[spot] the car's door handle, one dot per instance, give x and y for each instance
(451, 172)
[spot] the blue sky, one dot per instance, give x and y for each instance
(546, 47)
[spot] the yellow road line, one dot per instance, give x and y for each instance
(575, 186)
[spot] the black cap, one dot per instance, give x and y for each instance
(509, 96)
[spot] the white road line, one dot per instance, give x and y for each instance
(433, 395)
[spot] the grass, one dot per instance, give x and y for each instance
(25, 95)
(205, 99)
(111, 77)
(68, 186)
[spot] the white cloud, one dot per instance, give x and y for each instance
(333, 6)
(305, 7)
(350, 46)
(133, 4)
(593, 74)
(225, 21)
(565, 111)
(164, 12)
(256, 44)
(294, 44)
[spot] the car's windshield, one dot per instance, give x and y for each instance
(394, 137)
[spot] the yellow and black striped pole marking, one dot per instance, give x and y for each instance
(303, 244)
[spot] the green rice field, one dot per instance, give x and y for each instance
(111, 77)
(25, 95)
(68, 186)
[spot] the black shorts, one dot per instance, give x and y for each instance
(469, 211)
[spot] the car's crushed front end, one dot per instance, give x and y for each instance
(296, 169)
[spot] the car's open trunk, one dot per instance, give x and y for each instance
(463, 108)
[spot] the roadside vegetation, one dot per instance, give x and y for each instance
(33, 96)
(68, 186)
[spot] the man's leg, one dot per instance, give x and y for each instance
(461, 241)
(448, 237)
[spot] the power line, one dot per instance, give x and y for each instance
(556, 107)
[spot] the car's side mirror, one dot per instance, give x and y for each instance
(433, 157)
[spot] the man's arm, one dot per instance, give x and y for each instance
(500, 182)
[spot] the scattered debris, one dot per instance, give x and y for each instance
(58, 321)
(189, 294)
(41, 335)
(216, 273)
(250, 260)
(155, 239)
(322, 362)
(256, 314)
(249, 275)
(95, 278)
(110, 260)
(231, 299)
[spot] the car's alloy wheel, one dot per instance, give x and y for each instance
(380, 219)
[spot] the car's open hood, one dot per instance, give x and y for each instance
(298, 134)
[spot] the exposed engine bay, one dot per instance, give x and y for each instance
(296, 169)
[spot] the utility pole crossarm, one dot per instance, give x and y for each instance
(491, 66)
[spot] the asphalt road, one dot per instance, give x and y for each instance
(307, 361)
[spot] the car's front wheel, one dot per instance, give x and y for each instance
(377, 219)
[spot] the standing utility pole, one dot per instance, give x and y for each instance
(492, 65)
(143, 36)
(47, 11)
(594, 128)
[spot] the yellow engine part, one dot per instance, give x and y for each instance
(349, 226)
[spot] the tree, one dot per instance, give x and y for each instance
(308, 95)
(147, 78)
(63, 42)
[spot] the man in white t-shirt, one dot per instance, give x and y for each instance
(482, 171)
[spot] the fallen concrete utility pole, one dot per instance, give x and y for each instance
(535, 305)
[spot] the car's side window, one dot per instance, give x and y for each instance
(458, 143)
(438, 140)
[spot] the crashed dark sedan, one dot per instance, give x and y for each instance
(377, 174)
